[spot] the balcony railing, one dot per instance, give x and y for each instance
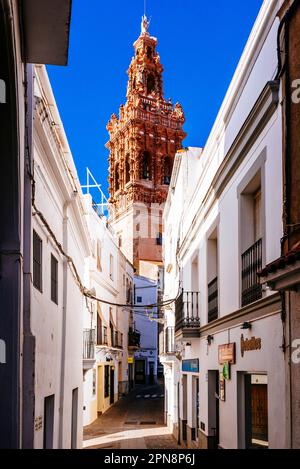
(134, 338)
(170, 340)
(251, 264)
(187, 310)
(89, 344)
(213, 300)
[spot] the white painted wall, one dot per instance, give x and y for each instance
(112, 290)
(57, 328)
(190, 216)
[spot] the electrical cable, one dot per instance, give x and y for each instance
(85, 292)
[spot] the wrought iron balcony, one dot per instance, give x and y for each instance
(251, 264)
(134, 338)
(213, 300)
(88, 349)
(187, 312)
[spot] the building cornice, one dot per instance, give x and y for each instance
(269, 305)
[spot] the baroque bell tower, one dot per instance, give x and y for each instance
(143, 142)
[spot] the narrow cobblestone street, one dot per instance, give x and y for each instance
(134, 422)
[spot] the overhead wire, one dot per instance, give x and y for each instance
(87, 293)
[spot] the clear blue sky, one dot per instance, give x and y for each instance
(200, 43)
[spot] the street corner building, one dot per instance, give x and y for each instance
(229, 347)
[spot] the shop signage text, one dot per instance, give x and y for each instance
(191, 366)
(248, 345)
(227, 354)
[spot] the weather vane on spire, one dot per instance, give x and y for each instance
(145, 22)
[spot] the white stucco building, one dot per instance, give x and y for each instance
(106, 326)
(26, 328)
(223, 359)
(145, 359)
(58, 230)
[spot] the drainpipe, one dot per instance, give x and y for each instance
(28, 371)
(286, 299)
(64, 325)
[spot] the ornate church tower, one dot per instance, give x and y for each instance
(143, 142)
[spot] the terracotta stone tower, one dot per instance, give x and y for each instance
(143, 142)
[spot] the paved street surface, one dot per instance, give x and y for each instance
(134, 422)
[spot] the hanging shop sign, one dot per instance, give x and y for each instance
(226, 371)
(227, 354)
(248, 345)
(222, 395)
(190, 366)
(130, 359)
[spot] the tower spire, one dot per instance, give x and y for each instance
(145, 25)
(145, 22)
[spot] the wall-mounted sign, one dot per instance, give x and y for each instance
(190, 366)
(222, 394)
(226, 370)
(227, 354)
(130, 359)
(248, 345)
(38, 423)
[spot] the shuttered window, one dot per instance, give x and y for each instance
(54, 279)
(37, 261)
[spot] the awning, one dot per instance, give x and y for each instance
(46, 30)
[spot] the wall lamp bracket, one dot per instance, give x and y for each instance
(246, 325)
(209, 339)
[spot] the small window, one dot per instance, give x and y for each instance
(117, 177)
(54, 279)
(139, 299)
(159, 239)
(257, 215)
(99, 253)
(150, 84)
(99, 327)
(112, 334)
(127, 170)
(111, 267)
(120, 241)
(146, 166)
(37, 261)
(94, 382)
(106, 381)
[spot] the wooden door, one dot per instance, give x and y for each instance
(112, 385)
(140, 371)
(259, 411)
